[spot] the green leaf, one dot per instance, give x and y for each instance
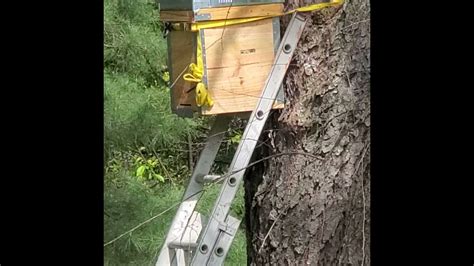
(166, 76)
(159, 177)
(236, 138)
(141, 171)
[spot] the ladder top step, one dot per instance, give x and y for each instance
(182, 245)
(210, 178)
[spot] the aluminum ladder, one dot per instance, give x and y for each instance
(192, 238)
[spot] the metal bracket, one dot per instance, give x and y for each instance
(210, 178)
(229, 228)
(224, 242)
(204, 56)
(203, 16)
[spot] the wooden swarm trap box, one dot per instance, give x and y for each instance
(236, 59)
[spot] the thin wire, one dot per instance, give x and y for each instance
(254, 117)
(176, 204)
(231, 91)
(208, 47)
(150, 219)
(176, 80)
(225, 23)
(223, 177)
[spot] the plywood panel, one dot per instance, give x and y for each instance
(177, 16)
(181, 52)
(230, 12)
(219, 13)
(238, 61)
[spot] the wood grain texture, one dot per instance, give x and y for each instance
(219, 13)
(238, 62)
(177, 16)
(182, 52)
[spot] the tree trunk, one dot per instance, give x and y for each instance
(315, 209)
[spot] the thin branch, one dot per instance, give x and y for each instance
(177, 78)
(332, 118)
(178, 203)
(268, 233)
(348, 80)
(296, 195)
(277, 155)
(162, 165)
(352, 24)
(190, 157)
(225, 23)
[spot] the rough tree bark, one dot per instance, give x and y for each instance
(303, 210)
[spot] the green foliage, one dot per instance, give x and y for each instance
(145, 145)
(236, 138)
(146, 169)
(136, 115)
(128, 205)
(133, 42)
(132, 202)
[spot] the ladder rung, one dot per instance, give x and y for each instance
(224, 241)
(190, 234)
(182, 245)
(210, 178)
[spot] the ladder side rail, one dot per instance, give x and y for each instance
(208, 246)
(185, 211)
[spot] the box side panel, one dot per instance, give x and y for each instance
(180, 5)
(181, 53)
(221, 13)
(223, 3)
(238, 61)
(175, 4)
(232, 12)
(177, 15)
